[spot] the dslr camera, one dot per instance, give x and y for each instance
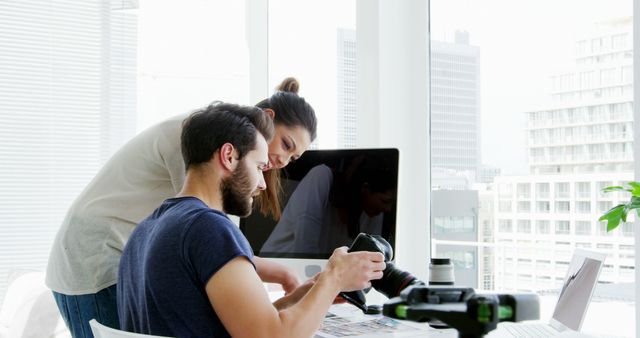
(393, 279)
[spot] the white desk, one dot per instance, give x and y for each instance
(348, 319)
(349, 315)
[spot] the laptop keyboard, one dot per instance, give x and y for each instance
(530, 330)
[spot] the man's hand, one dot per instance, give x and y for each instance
(354, 270)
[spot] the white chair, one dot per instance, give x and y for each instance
(29, 309)
(101, 331)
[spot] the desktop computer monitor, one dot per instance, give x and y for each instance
(329, 196)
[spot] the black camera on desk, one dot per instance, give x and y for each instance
(471, 314)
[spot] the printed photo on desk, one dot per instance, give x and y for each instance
(347, 321)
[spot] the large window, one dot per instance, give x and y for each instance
(548, 111)
(79, 78)
(67, 100)
(315, 41)
(529, 121)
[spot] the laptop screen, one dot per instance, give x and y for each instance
(577, 289)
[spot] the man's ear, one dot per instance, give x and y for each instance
(269, 112)
(228, 156)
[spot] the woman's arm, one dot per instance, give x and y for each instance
(272, 272)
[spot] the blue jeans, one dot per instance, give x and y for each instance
(77, 311)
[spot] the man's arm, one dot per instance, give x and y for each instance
(242, 304)
(272, 272)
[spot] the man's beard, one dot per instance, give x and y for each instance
(237, 192)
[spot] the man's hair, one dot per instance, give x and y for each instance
(207, 129)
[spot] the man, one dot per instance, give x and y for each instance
(187, 270)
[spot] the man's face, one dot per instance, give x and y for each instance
(246, 181)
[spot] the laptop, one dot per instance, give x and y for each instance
(573, 301)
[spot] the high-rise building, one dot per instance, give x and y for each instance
(579, 145)
(455, 106)
(347, 71)
(455, 156)
(589, 126)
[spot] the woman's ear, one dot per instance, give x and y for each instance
(228, 156)
(270, 112)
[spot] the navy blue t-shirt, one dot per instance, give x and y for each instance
(166, 265)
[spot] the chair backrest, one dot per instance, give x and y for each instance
(29, 309)
(101, 331)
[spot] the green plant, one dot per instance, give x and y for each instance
(619, 213)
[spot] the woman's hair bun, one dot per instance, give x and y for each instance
(289, 84)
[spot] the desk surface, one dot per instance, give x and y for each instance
(345, 320)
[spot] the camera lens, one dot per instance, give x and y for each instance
(441, 272)
(394, 280)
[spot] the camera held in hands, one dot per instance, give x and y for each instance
(393, 279)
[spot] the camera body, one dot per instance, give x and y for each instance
(374, 243)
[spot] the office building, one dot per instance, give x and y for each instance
(347, 72)
(580, 144)
(487, 173)
(456, 160)
(455, 106)
(486, 236)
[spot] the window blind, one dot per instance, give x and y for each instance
(67, 101)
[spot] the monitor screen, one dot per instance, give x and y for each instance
(329, 196)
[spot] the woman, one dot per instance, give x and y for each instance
(83, 265)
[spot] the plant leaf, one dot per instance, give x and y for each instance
(613, 216)
(612, 224)
(635, 202)
(634, 184)
(635, 188)
(619, 213)
(613, 188)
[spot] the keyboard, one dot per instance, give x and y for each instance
(530, 330)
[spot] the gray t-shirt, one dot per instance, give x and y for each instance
(134, 182)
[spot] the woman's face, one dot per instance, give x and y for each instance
(287, 145)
